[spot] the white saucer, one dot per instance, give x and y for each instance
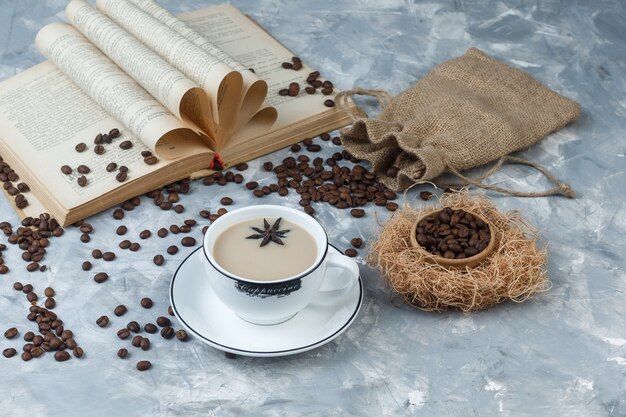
(204, 316)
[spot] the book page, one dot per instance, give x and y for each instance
(43, 116)
(254, 89)
(222, 83)
(165, 83)
(115, 91)
(240, 37)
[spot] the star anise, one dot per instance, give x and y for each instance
(270, 234)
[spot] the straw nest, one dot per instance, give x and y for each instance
(515, 270)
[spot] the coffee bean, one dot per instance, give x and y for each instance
(230, 355)
(329, 103)
(9, 352)
(61, 356)
(108, 256)
(144, 365)
(4, 269)
(31, 296)
(98, 140)
(50, 303)
(294, 89)
(258, 193)
(26, 356)
(162, 232)
(150, 160)
(29, 336)
(27, 288)
(136, 342)
(134, 247)
(82, 181)
(11, 333)
(283, 92)
(123, 334)
(99, 149)
(268, 166)
(103, 321)
(126, 145)
(391, 206)
(241, 166)
(121, 176)
(37, 352)
(114, 133)
(357, 242)
(163, 321)
(188, 241)
(125, 244)
(145, 234)
(100, 277)
(350, 252)
(287, 65)
(170, 311)
(78, 352)
(314, 148)
(426, 195)
(182, 335)
(49, 292)
(121, 230)
(66, 169)
(145, 344)
(226, 201)
(146, 302)
(96, 254)
(80, 147)
(122, 353)
(85, 238)
(83, 169)
(18, 286)
(167, 332)
(158, 260)
(150, 328)
(118, 214)
(357, 213)
(172, 250)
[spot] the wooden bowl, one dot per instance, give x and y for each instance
(470, 262)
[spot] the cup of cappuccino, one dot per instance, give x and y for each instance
(266, 263)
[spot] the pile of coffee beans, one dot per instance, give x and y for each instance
(134, 328)
(52, 336)
(8, 177)
(33, 237)
(453, 234)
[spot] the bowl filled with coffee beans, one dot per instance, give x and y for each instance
(453, 237)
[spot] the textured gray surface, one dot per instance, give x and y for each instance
(560, 354)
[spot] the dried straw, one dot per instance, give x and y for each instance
(514, 271)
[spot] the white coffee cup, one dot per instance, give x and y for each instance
(273, 302)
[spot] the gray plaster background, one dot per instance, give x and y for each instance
(560, 354)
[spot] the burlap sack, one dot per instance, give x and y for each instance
(465, 113)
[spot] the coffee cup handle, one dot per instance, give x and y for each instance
(343, 281)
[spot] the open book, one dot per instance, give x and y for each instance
(183, 88)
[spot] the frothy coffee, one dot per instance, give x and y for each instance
(238, 249)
